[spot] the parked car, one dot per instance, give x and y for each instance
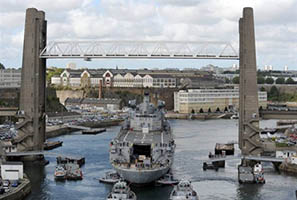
(6, 183)
(15, 183)
(2, 190)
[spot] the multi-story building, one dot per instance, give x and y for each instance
(10, 78)
(196, 100)
(134, 78)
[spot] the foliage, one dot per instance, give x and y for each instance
(260, 80)
(262, 89)
(53, 72)
(290, 81)
(1, 66)
(269, 80)
(235, 80)
(227, 80)
(280, 80)
(275, 95)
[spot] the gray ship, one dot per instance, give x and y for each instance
(143, 150)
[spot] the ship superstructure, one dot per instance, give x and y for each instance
(143, 150)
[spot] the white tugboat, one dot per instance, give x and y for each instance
(121, 191)
(184, 191)
(143, 150)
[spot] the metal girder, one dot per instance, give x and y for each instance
(139, 49)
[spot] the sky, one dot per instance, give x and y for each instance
(170, 20)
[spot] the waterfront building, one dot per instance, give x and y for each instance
(12, 171)
(196, 100)
(10, 78)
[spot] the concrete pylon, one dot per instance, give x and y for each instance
(32, 99)
(249, 139)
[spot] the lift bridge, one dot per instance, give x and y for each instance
(36, 51)
(139, 50)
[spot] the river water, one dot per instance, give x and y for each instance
(194, 139)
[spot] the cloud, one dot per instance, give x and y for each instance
(215, 20)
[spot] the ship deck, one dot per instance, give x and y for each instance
(143, 138)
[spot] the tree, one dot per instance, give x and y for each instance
(260, 80)
(290, 81)
(280, 80)
(227, 80)
(235, 80)
(2, 66)
(209, 110)
(201, 110)
(262, 89)
(193, 111)
(273, 94)
(269, 80)
(218, 109)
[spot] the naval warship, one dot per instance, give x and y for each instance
(143, 150)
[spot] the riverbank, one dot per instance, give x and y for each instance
(199, 116)
(58, 130)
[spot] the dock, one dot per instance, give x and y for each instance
(93, 131)
(52, 145)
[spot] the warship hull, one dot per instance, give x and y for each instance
(140, 177)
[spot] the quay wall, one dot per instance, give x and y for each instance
(19, 193)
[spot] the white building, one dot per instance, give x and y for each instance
(12, 170)
(10, 78)
(187, 101)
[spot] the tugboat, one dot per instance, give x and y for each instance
(60, 173)
(110, 177)
(183, 191)
(258, 173)
(167, 179)
(121, 191)
(73, 172)
(143, 150)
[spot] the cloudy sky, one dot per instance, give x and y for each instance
(195, 20)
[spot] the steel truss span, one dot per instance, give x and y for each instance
(139, 49)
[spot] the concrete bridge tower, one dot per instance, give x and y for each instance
(249, 139)
(31, 127)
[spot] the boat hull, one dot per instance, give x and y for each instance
(142, 176)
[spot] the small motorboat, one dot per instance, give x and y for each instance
(167, 179)
(110, 177)
(210, 165)
(60, 173)
(183, 191)
(121, 191)
(258, 174)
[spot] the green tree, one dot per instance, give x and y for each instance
(280, 80)
(54, 72)
(262, 89)
(235, 80)
(273, 94)
(227, 80)
(2, 66)
(260, 80)
(269, 80)
(290, 81)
